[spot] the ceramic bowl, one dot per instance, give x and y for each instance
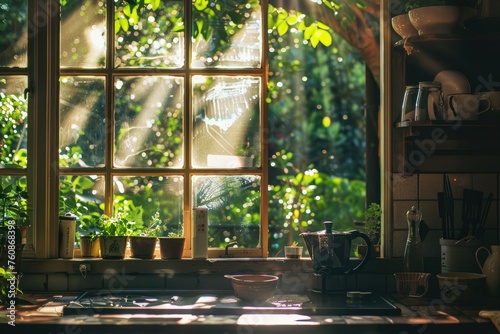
(402, 26)
(461, 287)
(253, 287)
(435, 19)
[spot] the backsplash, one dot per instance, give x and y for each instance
(421, 191)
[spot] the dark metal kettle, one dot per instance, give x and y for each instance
(330, 250)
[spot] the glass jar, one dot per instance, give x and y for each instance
(409, 103)
(430, 103)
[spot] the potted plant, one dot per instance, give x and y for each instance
(143, 241)
(371, 225)
(115, 231)
(89, 245)
(13, 219)
(294, 251)
(172, 246)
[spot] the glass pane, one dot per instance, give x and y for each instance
(233, 204)
(14, 36)
(149, 122)
(227, 35)
(82, 122)
(82, 195)
(150, 36)
(145, 196)
(14, 122)
(226, 122)
(83, 44)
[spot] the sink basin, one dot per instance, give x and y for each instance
(198, 302)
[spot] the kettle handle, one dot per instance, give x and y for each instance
(356, 234)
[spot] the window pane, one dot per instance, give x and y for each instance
(227, 36)
(149, 122)
(233, 204)
(152, 36)
(144, 196)
(82, 194)
(14, 122)
(14, 36)
(83, 44)
(82, 122)
(226, 121)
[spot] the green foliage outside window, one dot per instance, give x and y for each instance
(316, 145)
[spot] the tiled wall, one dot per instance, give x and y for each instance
(421, 191)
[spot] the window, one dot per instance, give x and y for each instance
(159, 116)
(171, 105)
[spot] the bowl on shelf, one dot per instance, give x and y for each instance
(435, 19)
(403, 27)
(253, 287)
(461, 287)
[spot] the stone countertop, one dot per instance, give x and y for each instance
(419, 315)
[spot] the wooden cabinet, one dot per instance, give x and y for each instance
(446, 146)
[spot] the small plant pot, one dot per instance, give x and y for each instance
(171, 248)
(293, 252)
(113, 247)
(142, 247)
(89, 247)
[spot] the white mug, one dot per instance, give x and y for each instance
(493, 100)
(465, 106)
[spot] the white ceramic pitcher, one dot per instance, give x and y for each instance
(491, 268)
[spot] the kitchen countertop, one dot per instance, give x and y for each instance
(418, 315)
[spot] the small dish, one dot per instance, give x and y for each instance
(453, 82)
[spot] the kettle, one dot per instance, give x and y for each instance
(330, 250)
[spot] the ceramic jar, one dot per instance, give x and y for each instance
(491, 268)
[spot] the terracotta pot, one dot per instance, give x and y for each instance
(362, 251)
(142, 247)
(113, 247)
(89, 247)
(171, 248)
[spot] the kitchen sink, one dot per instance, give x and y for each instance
(223, 302)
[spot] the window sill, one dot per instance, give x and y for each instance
(211, 265)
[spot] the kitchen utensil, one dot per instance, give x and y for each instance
(449, 208)
(430, 104)
(482, 221)
(409, 102)
(330, 250)
(253, 287)
(442, 214)
(458, 255)
(471, 212)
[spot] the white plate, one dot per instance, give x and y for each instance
(453, 82)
